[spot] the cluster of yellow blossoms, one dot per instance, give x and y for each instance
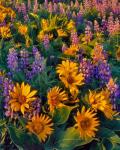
(4, 13)
(87, 122)
(70, 76)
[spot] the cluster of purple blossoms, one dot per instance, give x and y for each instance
(114, 93)
(7, 87)
(46, 41)
(102, 72)
(12, 59)
(24, 59)
(87, 69)
(38, 64)
(74, 38)
(22, 9)
(34, 50)
(21, 62)
(36, 108)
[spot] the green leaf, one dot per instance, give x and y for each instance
(116, 147)
(97, 146)
(2, 122)
(61, 115)
(113, 125)
(105, 133)
(19, 76)
(108, 144)
(71, 139)
(65, 139)
(115, 139)
(23, 140)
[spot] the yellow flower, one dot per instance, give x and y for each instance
(40, 126)
(61, 33)
(41, 35)
(28, 41)
(71, 25)
(86, 123)
(98, 54)
(56, 97)
(23, 29)
(5, 32)
(21, 97)
(72, 50)
(44, 24)
(2, 73)
(2, 17)
(69, 75)
(101, 101)
(118, 54)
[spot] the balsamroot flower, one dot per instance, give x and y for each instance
(40, 126)
(69, 75)
(101, 101)
(5, 32)
(21, 97)
(55, 98)
(86, 123)
(22, 29)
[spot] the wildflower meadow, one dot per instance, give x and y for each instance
(59, 74)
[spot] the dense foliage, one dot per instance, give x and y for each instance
(59, 75)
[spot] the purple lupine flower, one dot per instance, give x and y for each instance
(104, 24)
(87, 69)
(37, 66)
(36, 105)
(7, 87)
(88, 33)
(64, 47)
(74, 38)
(12, 59)
(50, 7)
(24, 59)
(77, 4)
(34, 50)
(79, 18)
(46, 41)
(24, 11)
(62, 10)
(74, 17)
(96, 26)
(35, 9)
(114, 92)
(102, 72)
(55, 7)
(35, 109)
(29, 4)
(80, 55)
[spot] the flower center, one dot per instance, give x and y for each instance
(70, 79)
(85, 123)
(38, 128)
(54, 100)
(22, 99)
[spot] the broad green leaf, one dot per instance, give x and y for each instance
(97, 146)
(2, 122)
(65, 139)
(107, 144)
(71, 139)
(113, 125)
(23, 140)
(115, 139)
(61, 115)
(105, 133)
